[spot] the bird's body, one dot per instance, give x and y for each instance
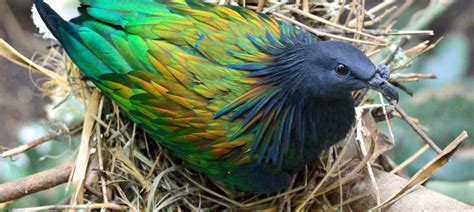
(235, 94)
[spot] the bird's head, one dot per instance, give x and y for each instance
(332, 69)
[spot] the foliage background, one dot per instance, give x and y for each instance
(444, 106)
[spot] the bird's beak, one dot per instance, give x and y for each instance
(380, 83)
(386, 89)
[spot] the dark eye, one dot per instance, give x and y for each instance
(341, 69)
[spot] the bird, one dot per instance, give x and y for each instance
(236, 95)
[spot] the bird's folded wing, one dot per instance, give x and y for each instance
(173, 66)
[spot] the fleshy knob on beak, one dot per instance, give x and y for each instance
(380, 83)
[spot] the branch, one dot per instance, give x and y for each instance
(415, 127)
(319, 33)
(390, 58)
(341, 29)
(36, 142)
(35, 183)
(410, 77)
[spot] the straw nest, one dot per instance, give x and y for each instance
(118, 167)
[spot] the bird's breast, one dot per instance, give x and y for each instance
(326, 123)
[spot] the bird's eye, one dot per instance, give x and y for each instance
(341, 69)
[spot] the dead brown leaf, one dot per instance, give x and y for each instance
(429, 169)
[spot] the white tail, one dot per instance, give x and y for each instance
(67, 9)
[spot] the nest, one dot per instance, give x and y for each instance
(119, 167)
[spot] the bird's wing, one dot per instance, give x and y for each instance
(178, 68)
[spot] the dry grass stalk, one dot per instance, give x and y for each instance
(134, 171)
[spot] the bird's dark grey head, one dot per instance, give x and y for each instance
(332, 69)
(324, 69)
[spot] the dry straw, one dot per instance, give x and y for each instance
(117, 167)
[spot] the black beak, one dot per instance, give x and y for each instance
(380, 83)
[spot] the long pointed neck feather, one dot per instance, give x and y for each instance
(286, 116)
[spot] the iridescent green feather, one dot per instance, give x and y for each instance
(168, 64)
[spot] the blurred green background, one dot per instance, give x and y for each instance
(444, 106)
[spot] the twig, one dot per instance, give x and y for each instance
(360, 16)
(360, 141)
(273, 7)
(36, 142)
(322, 20)
(14, 56)
(314, 191)
(397, 13)
(82, 159)
(339, 12)
(110, 206)
(402, 87)
(380, 7)
(350, 200)
(415, 127)
(411, 77)
(306, 6)
(100, 157)
(261, 4)
(378, 18)
(35, 183)
(402, 42)
(410, 159)
(319, 33)
(359, 21)
(351, 13)
(378, 32)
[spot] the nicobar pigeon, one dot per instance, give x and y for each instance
(236, 95)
